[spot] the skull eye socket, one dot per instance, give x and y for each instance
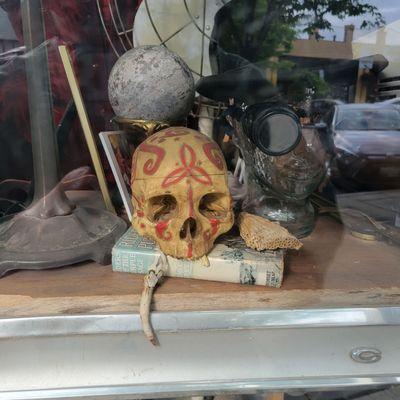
(214, 205)
(162, 208)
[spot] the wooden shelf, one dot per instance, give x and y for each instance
(333, 269)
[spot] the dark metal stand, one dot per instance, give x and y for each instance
(53, 232)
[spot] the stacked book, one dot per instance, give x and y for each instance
(229, 261)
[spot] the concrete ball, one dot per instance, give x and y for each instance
(151, 83)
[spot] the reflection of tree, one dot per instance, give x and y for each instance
(304, 80)
(260, 29)
(254, 29)
(315, 13)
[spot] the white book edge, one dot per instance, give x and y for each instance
(269, 273)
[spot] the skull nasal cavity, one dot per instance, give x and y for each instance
(188, 228)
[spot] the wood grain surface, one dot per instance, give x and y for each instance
(333, 269)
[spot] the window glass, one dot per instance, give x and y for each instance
(368, 119)
(299, 99)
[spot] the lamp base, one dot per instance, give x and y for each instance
(28, 242)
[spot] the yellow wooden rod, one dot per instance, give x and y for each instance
(87, 130)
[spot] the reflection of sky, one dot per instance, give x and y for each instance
(390, 9)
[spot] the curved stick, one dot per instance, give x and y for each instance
(150, 282)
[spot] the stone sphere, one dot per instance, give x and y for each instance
(151, 83)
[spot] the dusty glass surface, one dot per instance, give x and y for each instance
(303, 97)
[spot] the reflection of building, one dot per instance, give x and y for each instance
(334, 62)
(325, 49)
(385, 41)
(330, 60)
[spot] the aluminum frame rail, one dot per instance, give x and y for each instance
(108, 357)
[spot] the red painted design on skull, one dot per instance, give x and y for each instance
(168, 133)
(190, 201)
(161, 227)
(214, 229)
(213, 153)
(151, 166)
(139, 205)
(174, 133)
(214, 226)
(188, 159)
(190, 250)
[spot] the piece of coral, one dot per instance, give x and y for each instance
(262, 234)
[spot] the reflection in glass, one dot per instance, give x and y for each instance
(279, 186)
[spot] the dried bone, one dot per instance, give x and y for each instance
(150, 281)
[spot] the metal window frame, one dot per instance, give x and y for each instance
(204, 321)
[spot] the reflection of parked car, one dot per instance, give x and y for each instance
(364, 143)
(320, 107)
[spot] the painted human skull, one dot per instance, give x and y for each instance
(180, 192)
